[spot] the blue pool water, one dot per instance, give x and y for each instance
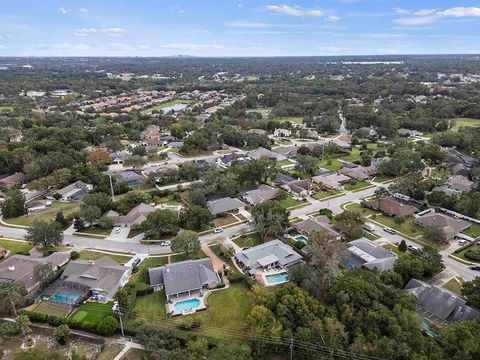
(64, 297)
(187, 305)
(301, 238)
(277, 278)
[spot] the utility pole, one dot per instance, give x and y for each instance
(291, 349)
(111, 187)
(116, 309)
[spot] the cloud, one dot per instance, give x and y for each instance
(299, 11)
(83, 10)
(191, 47)
(62, 10)
(246, 24)
(401, 11)
(428, 16)
(113, 32)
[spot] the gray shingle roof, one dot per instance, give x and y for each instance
(257, 255)
(226, 204)
(438, 304)
(370, 255)
(184, 276)
(450, 226)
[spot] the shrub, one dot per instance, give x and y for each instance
(135, 269)
(61, 334)
(74, 255)
(108, 326)
(399, 220)
(236, 278)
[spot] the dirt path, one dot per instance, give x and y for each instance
(216, 261)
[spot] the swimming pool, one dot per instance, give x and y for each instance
(301, 238)
(277, 278)
(184, 305)
(65, 297)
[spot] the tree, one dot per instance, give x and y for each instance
(134, 161)
(471, 290)
(78, 223)
(11, 295)
(323, 249)
(422, 263)
(434, 234)
(60, 219)
(108, 326)
(98, 157)
(195, 218)
(45, 234)
(402, 246)
(261, 322)
(270, 218)
(14, 205)
(101, 200)
(24, 323)
(460, 340)
(90, 214)
(159, 223)
(350, 224)
(307, 164)
(187, 242)
(61, 334)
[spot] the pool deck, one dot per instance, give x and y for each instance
(261, 276)
(174, 312)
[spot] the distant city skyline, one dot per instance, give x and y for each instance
(238, 27)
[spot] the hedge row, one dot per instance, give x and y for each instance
(472, 255)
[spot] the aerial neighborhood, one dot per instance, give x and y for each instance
(188, 206)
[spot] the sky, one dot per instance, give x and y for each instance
(238, 27)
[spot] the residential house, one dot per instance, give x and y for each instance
(359, 173)
(283, 179)
(75, 191)
(332, 181)
(299, 188)
(391, 207)
(321, 223)
(368, 254)
(175, 144)
(37, 205)
(227, 160)
(404, 132)
(262, 153)
(159, 169)
(287, 151)
(119, 157)
(459, 163)
(449, 226)
(103, 277)
(282, 133)
(151, 133)
(224, 205)
(257, 131)
(460, 183)
(438, 305)
(10, 181)
(260, 194)
(267, 256)
(23, 269)
(184, 278)
(131, 178)
(136, 216)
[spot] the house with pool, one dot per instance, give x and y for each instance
(186, 284)
(368, 254)
(268, 262)
(82, 279)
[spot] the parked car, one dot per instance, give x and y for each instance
(474, 267)
(389, 230)
(117, 230)
(217, 230)
(166, 243)
(413, 247)
(462, 242)
(369, 227)
(136, 262)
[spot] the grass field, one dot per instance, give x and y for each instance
(393, 248)
(150, 110)
(15, 246)
(264, 111)
(454, 285)
(142, 274)
(224, 220)
(332, 165)
(408, 227)
(95, 230)
(52, 308)
(289, 202)
(94, 255)
(357, 185)
(473, 230)
(227, 309)
(152, 305)
(466, 122)
(217, 251)
(47, 215)
(249, 240)
(93, 312)
(322, 194)
(285, 162)
(292, 119)
(6, 108)
(180, 257)
(461, 254)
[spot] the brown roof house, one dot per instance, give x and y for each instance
(21, 268)
(310, 225)
(332, 181)
(103, 276)
(391, 207)
(449, 226)
(11, 181)
(299, 188)
(136, 216)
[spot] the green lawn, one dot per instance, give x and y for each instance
(94, 255)
(322, 194)
(95, 230)
(292, 119)
(6, 108)
(15, 246)
(393, 248)
(408, 227)
(264, 111)
(227, 309)
(384, 178)
(357, 185)
(150, 110)
(454, 285)
(461, 254)
(249, 240)
(332, 165)
(142, 275)
(93, 312)
(473, 230)
(217, 249)
(151, 305)
(360, 209)
(466, 122)
(224, 220)
(284, 162)
(46, 215)
(181, 257)
(289, 202)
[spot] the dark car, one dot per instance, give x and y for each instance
(136, 262)
(389, 230)
(474, 267)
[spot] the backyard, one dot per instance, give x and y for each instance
(264, 111)
(142, 275)
(454, 285)
(151, 306)
(94, 255)
(473, 230)
(248, 240)
(15, 246)
(332, 165)
(47, 215)
(93, 312)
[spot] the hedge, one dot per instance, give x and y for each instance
(470, 244)
(470, 254)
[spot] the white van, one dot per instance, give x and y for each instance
(369, 227)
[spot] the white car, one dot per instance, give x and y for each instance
(217, 230)
(166, 243)
(117, 230)
(462, 242)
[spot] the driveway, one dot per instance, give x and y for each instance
(121, 235)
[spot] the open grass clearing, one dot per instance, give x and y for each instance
(289, 202)
(46, 215)
(224, 220)
(15, 246)
(331, 164)
(265, 111)
(454, 285)
(151, 262)
(292, 119)
(93, 312)
(248, 240)
(181, 257)
(357, 185)
(6, 108)
(95, 230)
(461, 254)
(473, 230)
(94, 255)
(52, 308)
(163, 105)
(322, 194)
(151, 306)
(465, 122)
